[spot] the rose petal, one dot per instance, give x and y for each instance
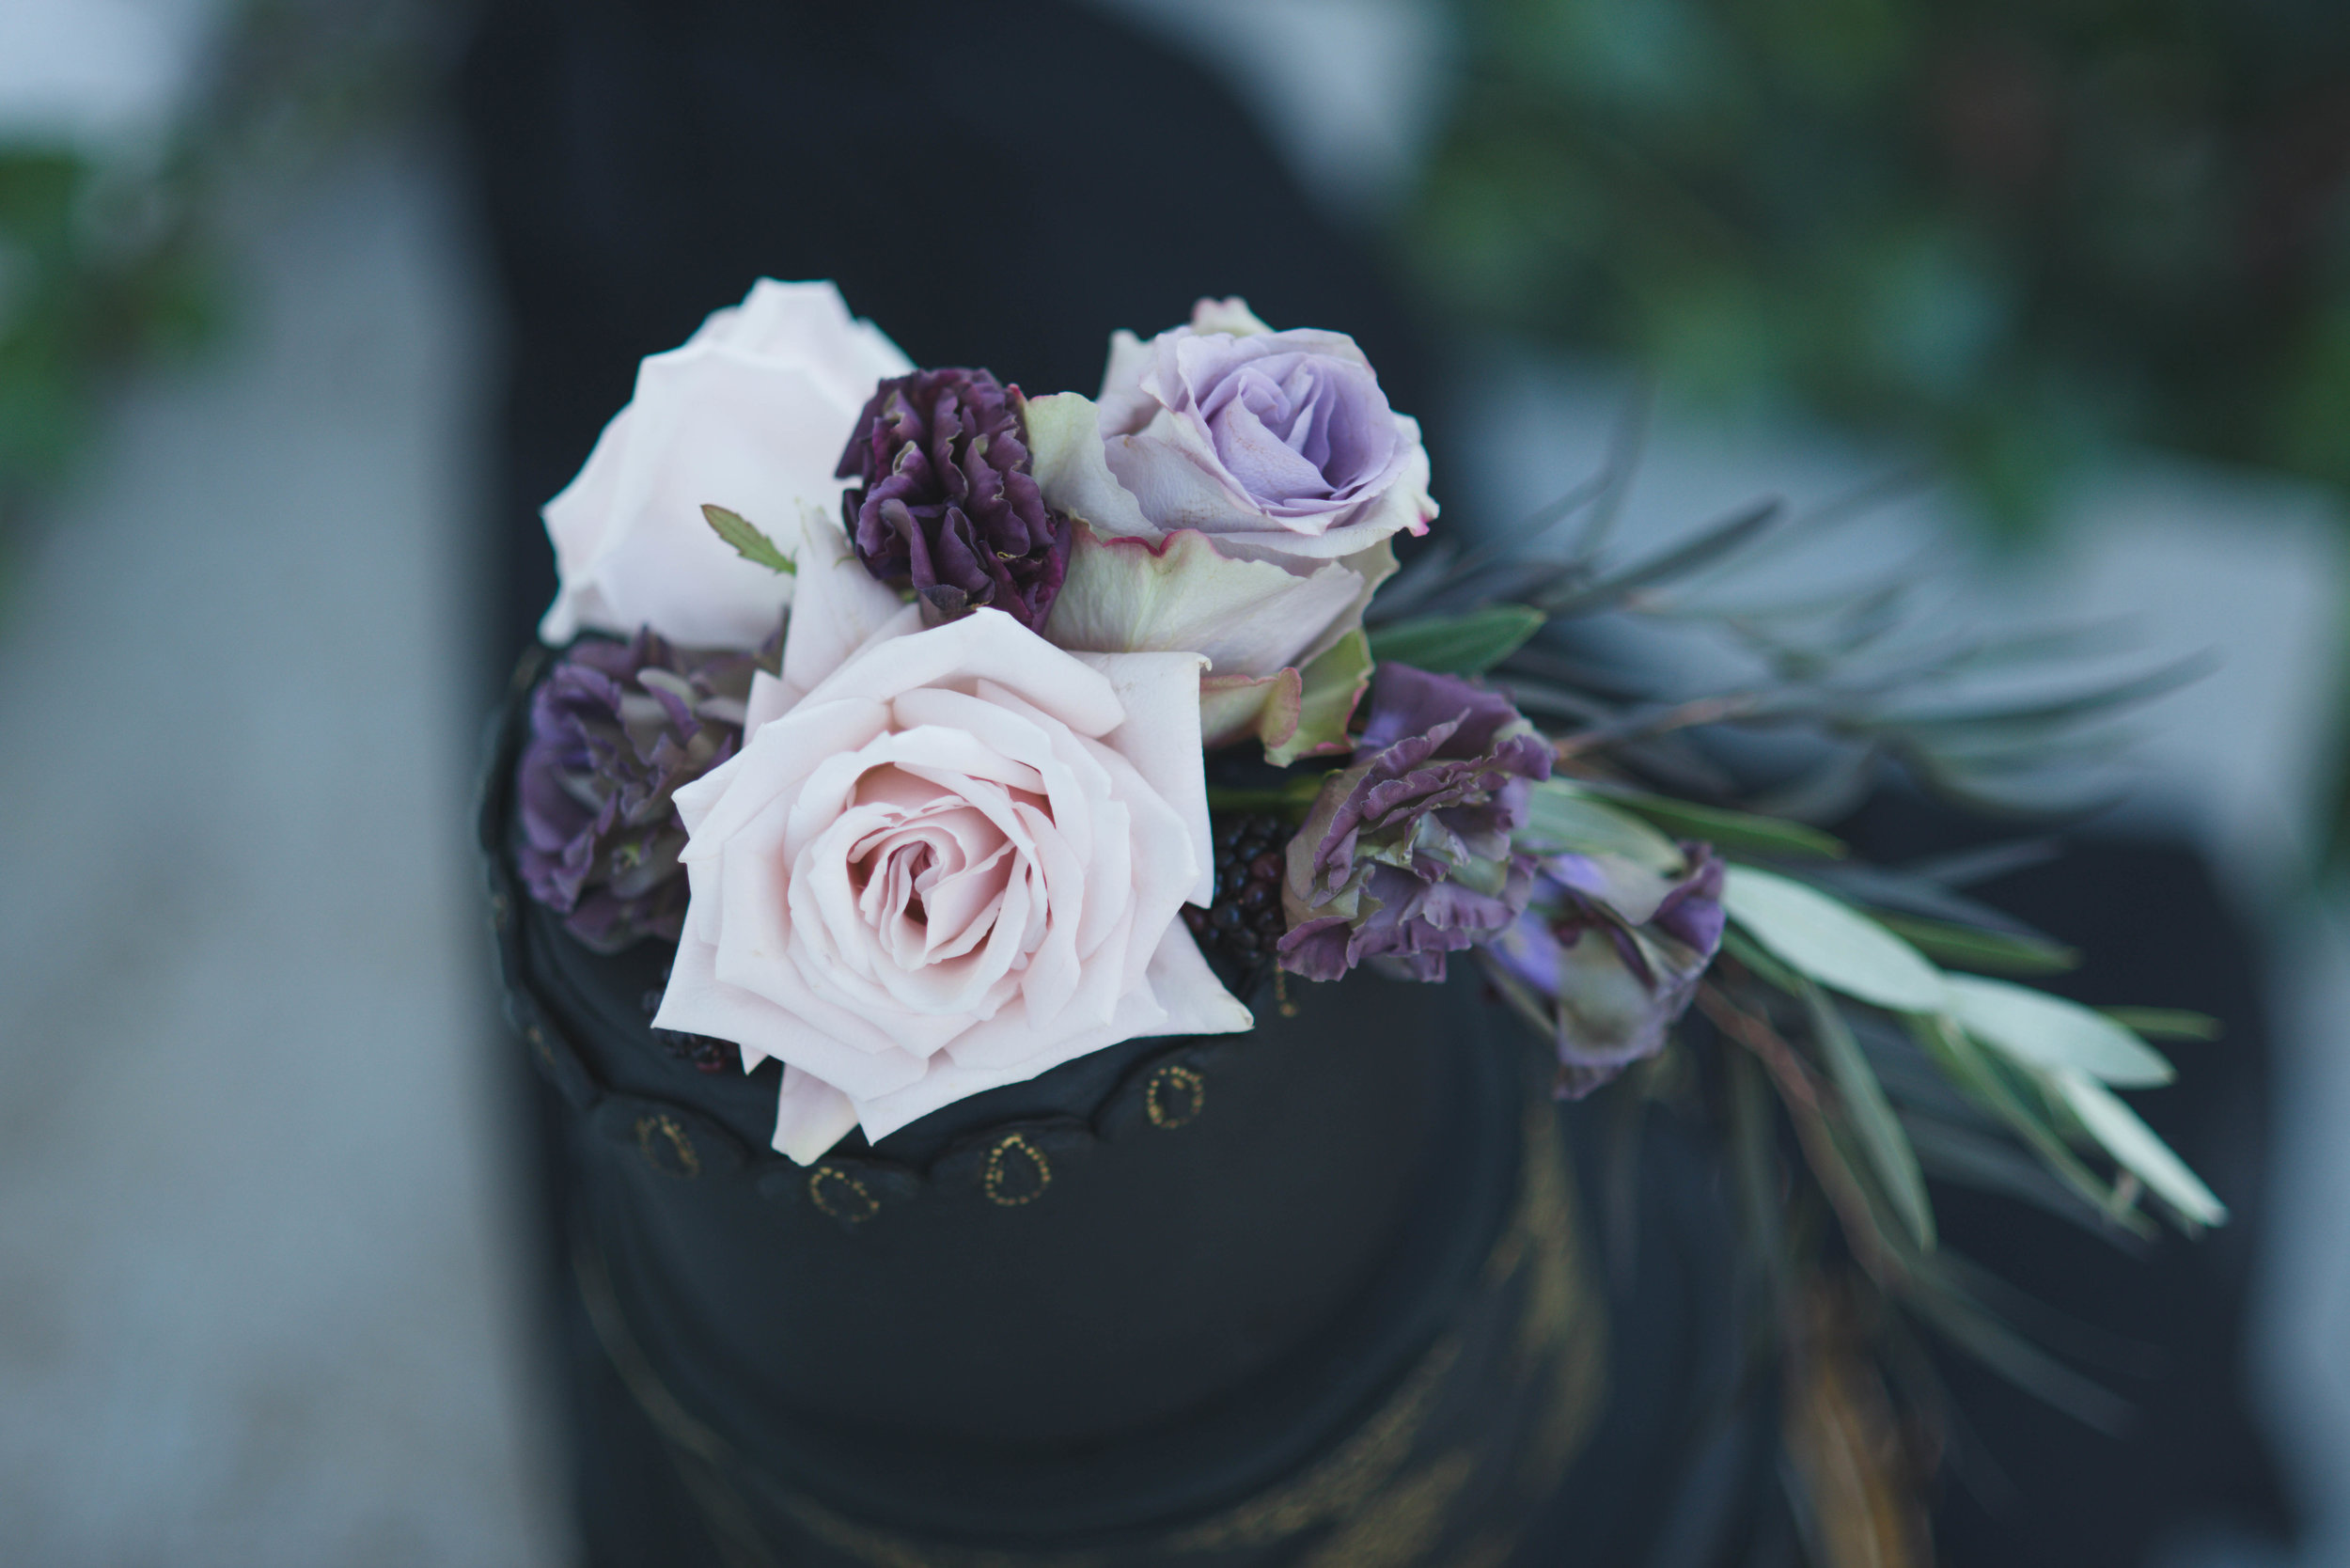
(1160, 693)
(1230, 316)
(1072, 467)
(1179, 995)
(702, 430)
(811, 1032)
(1186, 594)
(983, 645)
(811, 1117)
(839, 609)
(781, 318)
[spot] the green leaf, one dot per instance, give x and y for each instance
(1993, 1164)
(2137, 1149)
(2038, 715)
(1291, 798)
(749, 542)
(1468, 644)
(1881, 1135)
(2025, 1106)
(1832, 942)
(2003, 952)
(1559, 816)
(1770, 971)
(2040, 1030)
(1692, 554)
(1973, 1329)
(2166, 1022)
(1726, 829)
(1331, 685)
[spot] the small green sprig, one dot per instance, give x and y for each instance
(749, 543)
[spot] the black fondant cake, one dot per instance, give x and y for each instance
(1250, 1299)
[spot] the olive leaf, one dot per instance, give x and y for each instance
(2165, 1023)
(2030, 1105)
(2138, 1148)
(1726, 829)
(1832, 942)
(749, 542)
(1468, 644)
(2007, 952)
(1880, 1131)
(2040, 1030)
(1560, 816)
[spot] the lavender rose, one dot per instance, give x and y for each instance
(1236, 490)
(615, 728)
(1610, 963)
(946, 502)
(1276, 445)
(1406, 854)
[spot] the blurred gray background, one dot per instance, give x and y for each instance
(260, 1288)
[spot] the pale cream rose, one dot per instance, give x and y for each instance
(943, 860)
(750, 414)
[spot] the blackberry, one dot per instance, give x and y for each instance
(1238, 932)
(706, 1054)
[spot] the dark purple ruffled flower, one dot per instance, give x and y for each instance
(1406, 854)
(615, 729)
(1611, 955)
(947, 500)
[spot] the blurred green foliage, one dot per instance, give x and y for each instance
(110, 257)
(98, 269)
(2012, 230)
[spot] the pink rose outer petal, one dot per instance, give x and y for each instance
(811, 1117)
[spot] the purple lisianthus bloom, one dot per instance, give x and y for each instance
(1406, 854)
(1611, 956)
(615, 729)
(948, 501)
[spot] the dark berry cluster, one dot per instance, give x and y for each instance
(706, 1054)
(1239, 930)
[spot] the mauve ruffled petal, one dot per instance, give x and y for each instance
(1405, 853)
(1615, 978)
(615, 729)
(946, 503)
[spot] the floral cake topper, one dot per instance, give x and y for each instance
(950, 733)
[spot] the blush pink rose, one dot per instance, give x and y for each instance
(943, 860)
(750, 414)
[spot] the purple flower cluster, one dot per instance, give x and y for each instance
(615, 729)
(1406, 854)
(946, 501)
(1609, 960)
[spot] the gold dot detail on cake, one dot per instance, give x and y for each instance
(841, 1195)
(1017, 1172)
(1175, 1096)
(666, 1146)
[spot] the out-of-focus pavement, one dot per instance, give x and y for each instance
(258, 1275)
(258, 1287)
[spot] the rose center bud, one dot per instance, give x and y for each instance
(930, 872)
(1277, 428)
